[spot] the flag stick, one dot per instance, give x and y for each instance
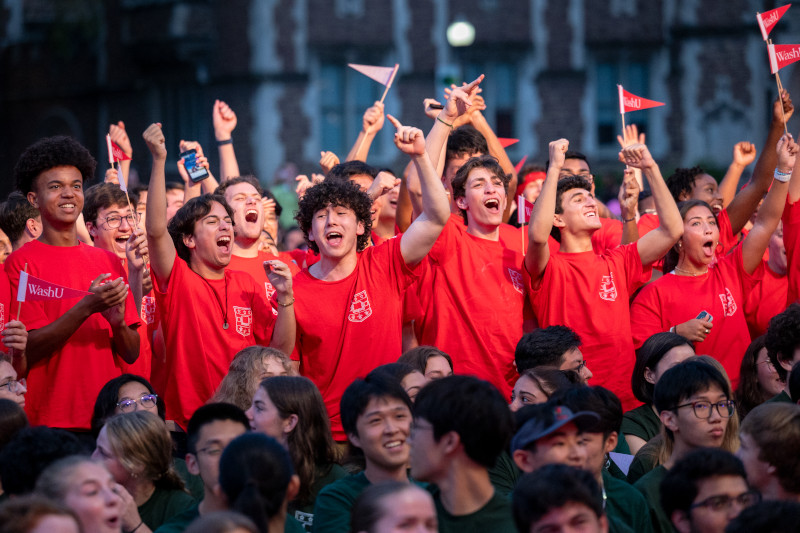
(383, 97)
(780, 103)
(19, 306)
(522, 234)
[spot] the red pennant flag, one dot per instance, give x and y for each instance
(631, 102)
(32, 288)
(768, 19)
(505, 143)
(383, 75)
(524, 210)
(781, 55)
(518, 166)
(115, 153)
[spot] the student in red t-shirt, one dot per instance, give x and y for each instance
(588, 292)
(349, 303)
(110, 224)
(209, 312)
(694, 283)
(73, 348)
(791, 240)
(244, 195)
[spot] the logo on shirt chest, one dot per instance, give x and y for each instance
(516, 279)
(360, 310)
(148, 309)
(728, 303)
(608, 290)
(269, 289)
(244, 320)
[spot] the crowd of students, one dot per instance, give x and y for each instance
(419, 363)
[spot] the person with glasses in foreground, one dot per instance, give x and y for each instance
(694, 402)
(11, 388)
(705, 490)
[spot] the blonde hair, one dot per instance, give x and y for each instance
(241, 382)
(141, 443)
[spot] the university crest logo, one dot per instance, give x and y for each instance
(244, 320)
(360, 310)
(516, 279)
(728, 303)
(148, 309)
(269, 289)
(608, 290)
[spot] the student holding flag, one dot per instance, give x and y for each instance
(208, 311)
(74, 345)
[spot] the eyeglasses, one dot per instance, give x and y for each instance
(212, 451)
(115, 221)
(724, 502)
(16, 386)
(147, 401)
(703, 409)
(580, 366)
(767, 362)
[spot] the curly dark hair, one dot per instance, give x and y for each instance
(682, 181)
(182, 224)
(488, 162)
(783, 337)
(50, 152)
(565, 184)
(335, 193)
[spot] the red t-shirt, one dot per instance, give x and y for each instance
(303, 258)
(142, 365)
(791, 240)
(477, 303)
(62, 388)
(647, 223)
(726, 237)
(255, 267)
(766, 299)
(607, 237)
(589, 293)
(348, 327)
(199, 349)
(673, 300)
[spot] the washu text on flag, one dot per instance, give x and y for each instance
(630, 102)
(32, 288)
(768, 19)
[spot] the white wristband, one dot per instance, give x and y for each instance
(783, 177)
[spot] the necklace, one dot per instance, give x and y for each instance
(219, 302)
(689, 272)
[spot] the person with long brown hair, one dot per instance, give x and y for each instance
(290, 409)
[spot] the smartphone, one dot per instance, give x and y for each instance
(705, 315)
(196, 173)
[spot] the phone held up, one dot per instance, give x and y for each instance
(196, 172)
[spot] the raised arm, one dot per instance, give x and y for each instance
(284, 332)
(192, 189)
(224, 123)
(159, 242)
(371, 124)
(744, 153)
(628, 198)
(120, 137)
(746, 202)
(541, 223)
(769, 214)
(418, 240)
(458, 101)
(656, 243)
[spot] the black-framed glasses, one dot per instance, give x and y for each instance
(115, 221)
(147, 401)
(723, 502)
(703, 409)
(580, 366)
(15, 386)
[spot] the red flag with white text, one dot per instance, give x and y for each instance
(781, 55)
(32, 288)
(631, 102)
(768, 19)
(115, 153)
(524, 210)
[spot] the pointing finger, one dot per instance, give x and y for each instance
(394, 121)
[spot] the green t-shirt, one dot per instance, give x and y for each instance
(179, 522)
(495, 516)
(626, 504)
(781, 397)
(194, 484)
(335, 502)
(646, 459)
(324, 476)
(641, 422)
(505, 473)
(650, 487)
(163, 505)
